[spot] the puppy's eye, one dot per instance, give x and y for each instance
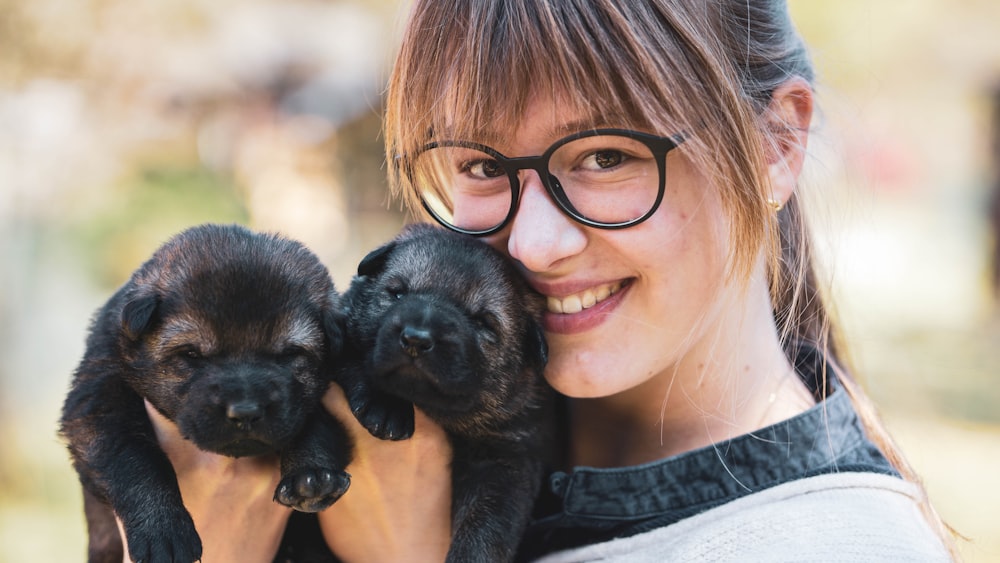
(490, 322)
(190, 353)
(396, 289)
(292, 352)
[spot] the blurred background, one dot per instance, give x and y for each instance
(124, 121)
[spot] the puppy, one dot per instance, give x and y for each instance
(443, 322)
(228, 333)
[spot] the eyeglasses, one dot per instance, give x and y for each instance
(603, 178)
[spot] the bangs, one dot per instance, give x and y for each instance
(464, 80)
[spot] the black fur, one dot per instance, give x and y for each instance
(444, 322)
(228, 333)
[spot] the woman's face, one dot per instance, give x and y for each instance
(654, 286)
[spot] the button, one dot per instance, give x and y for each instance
(558, 482)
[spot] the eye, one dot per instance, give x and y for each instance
(490, 322)
(484, 168)
(602, 159)
(396, 289)
(293, 351)
(189, 352)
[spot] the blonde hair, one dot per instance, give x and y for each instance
(663, 66)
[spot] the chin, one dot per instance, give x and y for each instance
(595, 376)
(578, 384)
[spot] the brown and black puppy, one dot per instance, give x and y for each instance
(228, 333)
(442, 321)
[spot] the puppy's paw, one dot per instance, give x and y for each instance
(156, 540)
(312, 490)
(385, 416)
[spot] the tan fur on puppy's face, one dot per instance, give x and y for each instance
(232, 335)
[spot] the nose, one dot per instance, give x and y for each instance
(541, 235)
(416, 341)
(244, 412)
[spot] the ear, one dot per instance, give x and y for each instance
(137, 313)
(535, 346)
(333, 326)
(788, 116)
(374, 263)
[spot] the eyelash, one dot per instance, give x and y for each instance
(490, 321)
(396, 289)
(189, 352)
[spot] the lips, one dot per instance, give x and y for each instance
(579, 312)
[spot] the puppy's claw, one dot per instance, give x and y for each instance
(400, 430)
(384, 416)
(176, 542)
(312, 490)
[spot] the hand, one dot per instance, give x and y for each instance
(230, 499)
(399, 505)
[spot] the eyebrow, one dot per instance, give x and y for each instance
(184, 329)
(556, 132)
(303, 332)
(576, 126)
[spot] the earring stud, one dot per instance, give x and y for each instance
(775, 204)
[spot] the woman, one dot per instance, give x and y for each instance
(711, 415)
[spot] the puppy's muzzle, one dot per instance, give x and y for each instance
(425, 328)
(242, 409)
(425, 348)
(246, 408)
(416, 340)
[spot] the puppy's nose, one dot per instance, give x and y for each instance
(244, 412)
(416, 341)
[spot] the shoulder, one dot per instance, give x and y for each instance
(841, 516)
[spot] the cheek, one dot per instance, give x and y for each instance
(499, 241)
(685, 263)
(684, 242)
(695, 225)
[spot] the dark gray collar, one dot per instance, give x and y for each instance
(588, 505)
(827, 438)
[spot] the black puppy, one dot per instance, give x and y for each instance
(442, 321)
(228, 333)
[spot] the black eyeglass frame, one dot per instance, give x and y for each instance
(658, 146)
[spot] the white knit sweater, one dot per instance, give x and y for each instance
(836, 517)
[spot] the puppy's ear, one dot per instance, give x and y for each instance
(374, 263)
(333, 326)
(536, 348)
(137, 314)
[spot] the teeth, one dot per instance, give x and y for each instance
(605, 291)
(584, 300)
(571, 304)
(555, 305)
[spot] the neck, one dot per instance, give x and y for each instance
(731, 382)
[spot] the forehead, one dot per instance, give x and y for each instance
(546, 119)
(437, 260)
(219, 334)
(539, 114)
(243, 308)
(461, 270)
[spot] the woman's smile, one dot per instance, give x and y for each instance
(581, 310)
(586, 299)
